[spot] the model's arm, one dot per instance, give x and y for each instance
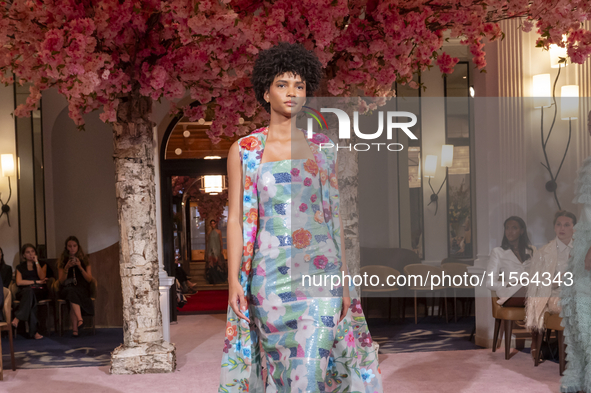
(221, 242)
(234, 232)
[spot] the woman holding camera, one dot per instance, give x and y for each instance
(31, 278)
(75, 276)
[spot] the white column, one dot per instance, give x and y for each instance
(165, 281)
(501, 157)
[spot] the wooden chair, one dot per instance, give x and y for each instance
(458, 269)
(47, 303)
(507, 315)
(6, 313)
(382, 272)
(553, 322)
(61, 303)
(424, 271)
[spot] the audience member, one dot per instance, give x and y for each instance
(32, 287)
(216, 267)
(508, 262)
(5, 271)
(548, 264)
(185, 285)
(75, 276)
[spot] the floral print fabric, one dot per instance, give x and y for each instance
(297, 330)
(306, 348)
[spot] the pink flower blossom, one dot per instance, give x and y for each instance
(320, 261)
(95, 52)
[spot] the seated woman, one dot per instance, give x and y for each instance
(31, 280)
(179, 273)
(510, 260)
(5, 271)
(216, 267)
(549, 262)
(75, 276)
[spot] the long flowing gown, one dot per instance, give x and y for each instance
(294, 324)
(576, 298)
(299, 325)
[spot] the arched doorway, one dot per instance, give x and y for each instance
(187, 156)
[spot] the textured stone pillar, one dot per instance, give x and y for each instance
(144, 349)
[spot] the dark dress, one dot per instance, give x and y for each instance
(1, 300)
(6, 275)
(77, 290)
(29, 296)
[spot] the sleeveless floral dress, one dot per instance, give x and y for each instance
(298, 324)
(291, 229)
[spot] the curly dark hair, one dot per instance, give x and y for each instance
(279, 59)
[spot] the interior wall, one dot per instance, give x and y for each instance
(53, 104)
(541, 205)
(378, 189)
(84, 183)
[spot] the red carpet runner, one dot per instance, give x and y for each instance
(205, 301)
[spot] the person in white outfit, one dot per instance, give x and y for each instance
(549, 262)
(548, 265)
(507, 263)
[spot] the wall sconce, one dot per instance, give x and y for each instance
(7, 163)
(447, 157)
(569, 108)
(557, 55)
(542, 91)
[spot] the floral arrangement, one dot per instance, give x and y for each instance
(98, 52)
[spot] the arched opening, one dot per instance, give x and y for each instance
(188, 161)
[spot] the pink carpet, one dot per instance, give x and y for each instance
(199, 340)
